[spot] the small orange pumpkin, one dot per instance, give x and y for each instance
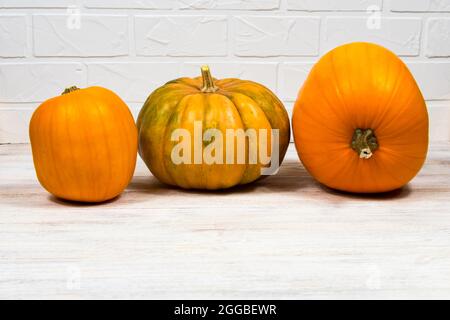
(360, 122)
(84, 144)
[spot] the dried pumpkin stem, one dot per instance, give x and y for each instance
(208, 81)
(70, 89)
(364, 142)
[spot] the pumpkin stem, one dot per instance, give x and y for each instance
(208, 81)
(70, 89)
(364, 143)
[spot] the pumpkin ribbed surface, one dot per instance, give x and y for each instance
(216, 104)
(360, 122)
(84, 144)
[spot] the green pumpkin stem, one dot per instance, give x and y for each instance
(70, 89)
(364, 142)
(208, 81)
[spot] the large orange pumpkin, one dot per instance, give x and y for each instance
(360, 122)
(84, 144)
(228, 104)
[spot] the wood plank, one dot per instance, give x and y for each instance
(282, 237)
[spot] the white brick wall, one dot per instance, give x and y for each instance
(134, 46)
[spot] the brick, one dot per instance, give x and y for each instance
(36, 4)
(291, 77)
(133, 82)
(263, 36)
(433, 79)
(36, 82)
(230, 4)
(181, 35)
(439, 116)
(130, 4)
(59, 36)
(327, 5)
(263, 73)
(401, 35)
(14, 123)
(420, 5)
(13, 36)
(438, 38)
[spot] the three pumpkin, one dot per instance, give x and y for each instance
(360, 124)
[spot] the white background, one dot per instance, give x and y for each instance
(134, 46)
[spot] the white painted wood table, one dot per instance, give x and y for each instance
(283, 237)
